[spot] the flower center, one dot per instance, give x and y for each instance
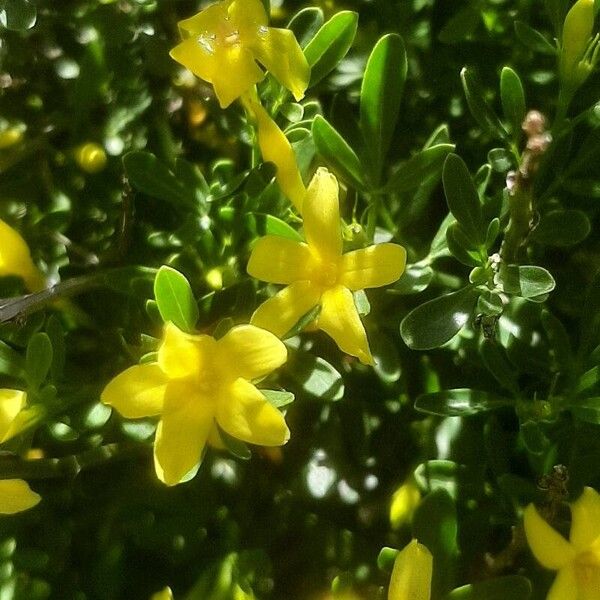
(326, 274)
(587, 568)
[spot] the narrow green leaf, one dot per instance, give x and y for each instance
(436, 322)
(514, 587)
(480, 109)
(175, 299)
(11, 362)
(423, 165)
(513, 100)
(495, 360)
(533, 39)
(337, 153)
(463, 199)
(588, 380)
(587, 409)
(330, 44)
(415, 279)
(460, 403)
(38, 359)
(380, 97)
(306, 23)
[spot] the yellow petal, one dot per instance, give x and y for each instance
(281, 312)
(137, 392)
(15, 259)
(339, 319)
(585, 525)
(372, 267)
(181, 354)
(321, 214)
(250, 352)
(411, 575)
(549, 547)
(279, 52)
(16, 496)
(564, 586)
(404, 503)
(244, 413)
(165, 594)
(210, 19)
(11, 403)
(278, 260)
(276, 148)
(182, 433)
(230, 68)
(247, 16)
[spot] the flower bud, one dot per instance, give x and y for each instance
(10, 137)
(576, 36)
(90, 157)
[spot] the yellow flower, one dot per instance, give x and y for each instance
(276, 148)
(15, 259)
(165, 594)
(223, 43)
(404, 503)
(197, 382)
(411, 575)
(318, 273)
(577, 560)
(16, 496)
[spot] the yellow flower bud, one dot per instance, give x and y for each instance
(10, 137)
(576, 36)
(90, 157)
(165, 594)
(404, 503)
(15, 259)
(214, 279)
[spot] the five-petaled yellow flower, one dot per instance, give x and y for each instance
(411, 575)
(15, 259)
(16, 496)
(318, 273)
(197, 383)
(223, 43)
(577, 560)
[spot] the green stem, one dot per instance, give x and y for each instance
(521, 214)
(372, 217)
(67, 466)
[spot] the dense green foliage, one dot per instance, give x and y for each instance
(487, 349)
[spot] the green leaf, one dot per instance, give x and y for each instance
(513, 100)
(386, 559)
(436, 322)
(38, 359)
(459, 245)
(463, 199)
(380, 97)
(415, 279)
(460, 403)
(306, 23)
(460, 26)
(18, 15)
(500, 159)
(278, 398)
(527, 281)
(11, 362)
(423, 165)
(588, 380)
(57, 338)
(337, 153)
(480, 109)
(514, 587)
(150, 176)
(587, 409)
(387, 360)
(562, 228)
(495, 360)
(315, 376)
(175, 299)
(330, 44)
(533, 39)
(435, 526)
